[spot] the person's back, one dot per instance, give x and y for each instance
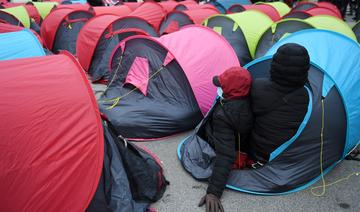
(279, 104)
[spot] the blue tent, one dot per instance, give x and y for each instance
(223, 5)
(329, 131)
(21, 44)
(339, 57)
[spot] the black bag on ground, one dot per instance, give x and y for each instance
(145, 175)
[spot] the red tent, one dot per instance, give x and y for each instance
(52, 22)
(177, 19)
(113, 10)
(92, 32)
(133, 5)
(153, 13)
(265, 8)
(51, 136)
(323, 11)
(33, 12)
(330, 6)
(168, 5)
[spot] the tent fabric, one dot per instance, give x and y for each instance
(12, 28)
(182, 18)
(296, 155)
(96, 41)
(63, 163)
(153, 13)
(168, 6)
(331, 23)
(74, 6)
(301, 6)
(44, 8)
(335, 59)
(266, 9)
(132, 5)
(281, 7)
(330, 6)
(51, 24)
(180, 88)
(356, 30)
(204, 63)
(113, 10)
(20, 44)
(20, 13)
(277, 31)
(33, 12)
(297, 14)
(323, 11)
(251, 32)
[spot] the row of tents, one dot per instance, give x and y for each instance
(156, 87)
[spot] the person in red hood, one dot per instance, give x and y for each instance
(228, 128)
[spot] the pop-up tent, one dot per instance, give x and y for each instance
(4, 28)
(330, 6)
(33, 13)
(19, 44)
(52, 139)
(302, 6)
(224, 5)
(281, 7)
(61, 27)
(239, 30)
(332, 112)
(264, 8)
(331, 23)
(277, 31)
(96, 41)
(44, 8)
(323, 11)
(151, 12)
(168, 6)
(112, 10)
(16, 16)
(298, 15)
(146, 17)
(356, 30)
(177, 19)
(159, 87)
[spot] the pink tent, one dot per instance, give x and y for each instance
(51, 135)
(330, 6)
(162, 86)
(209, 57)
(168, 5)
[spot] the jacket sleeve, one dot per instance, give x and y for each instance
(224, 142)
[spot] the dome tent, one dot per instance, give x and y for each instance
(112, 10)
(224, 5)
(323, 11)
(61, 27)
(331, 23)
(160, 87)
(239, 31)
(264, 8)
(47, 168)
(44, 8)
(177, 19)
(105, 33)
(19, 44)
(4, 28)
(298, 15)
(281, 7)
(16, 16)
(293, 167)
(356, 30)
(277, 31)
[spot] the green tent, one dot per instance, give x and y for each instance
(331, 23)
(278, 31)
(244, 23)
(281, 7)
(44, 8)
(20, 13)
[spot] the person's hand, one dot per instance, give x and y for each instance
(213, 203)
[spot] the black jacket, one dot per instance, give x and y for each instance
(221, 130)
(276, 118)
